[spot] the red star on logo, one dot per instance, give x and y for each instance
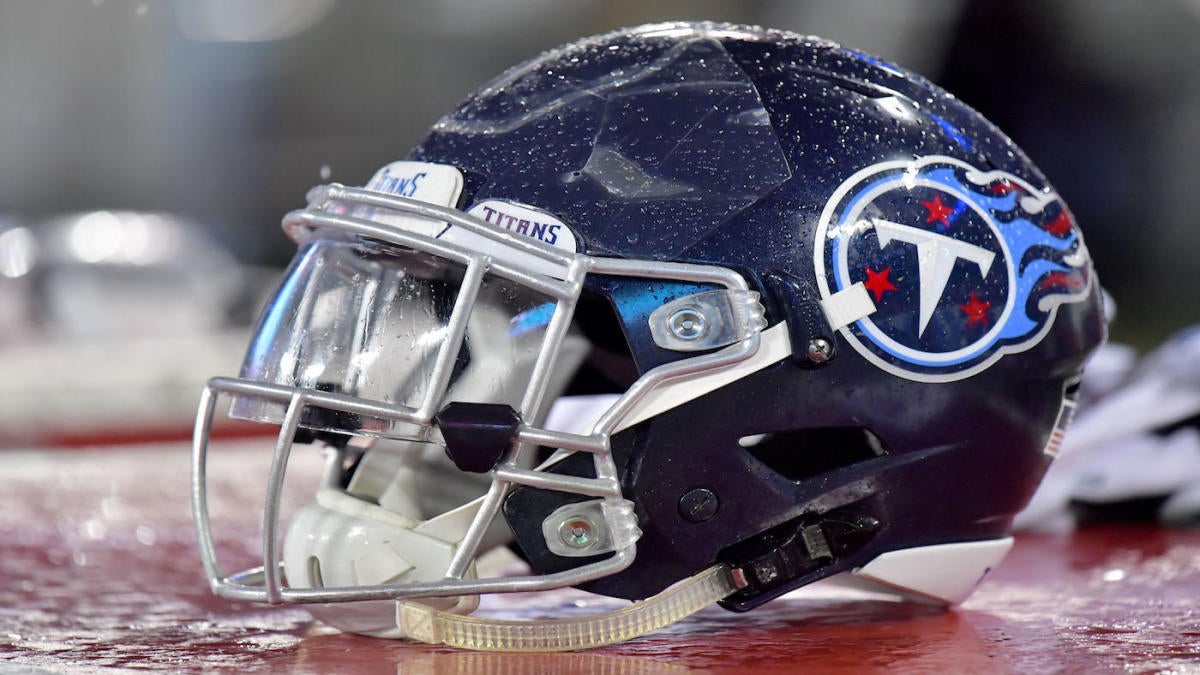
(976, 311)
(938, 212)
(878, 282)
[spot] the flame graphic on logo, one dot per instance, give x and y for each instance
(1014, 210)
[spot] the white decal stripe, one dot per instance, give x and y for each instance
(774, 346)
(943, 572)
(847, 306)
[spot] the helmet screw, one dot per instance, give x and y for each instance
(820, 350)
(577, 532)
(688, 324)
(698, 505)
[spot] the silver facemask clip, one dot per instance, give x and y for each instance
(707, 320)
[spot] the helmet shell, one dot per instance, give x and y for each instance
(756, 149)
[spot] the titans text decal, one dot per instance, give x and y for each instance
(952, 267)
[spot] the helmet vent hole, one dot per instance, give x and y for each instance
(803, 453)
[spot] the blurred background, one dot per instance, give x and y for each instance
(149, 149)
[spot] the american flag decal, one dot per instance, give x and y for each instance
(1065, 414)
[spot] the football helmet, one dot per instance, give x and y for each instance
(683, 313)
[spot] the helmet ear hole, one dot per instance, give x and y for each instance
(799, 454)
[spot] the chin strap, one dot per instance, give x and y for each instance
(434, 626)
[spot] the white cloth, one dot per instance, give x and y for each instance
(1126, 441)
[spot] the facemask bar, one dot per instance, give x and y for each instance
(508, 258)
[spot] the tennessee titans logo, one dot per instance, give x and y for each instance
(946, 268)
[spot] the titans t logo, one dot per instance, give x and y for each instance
(947, 267)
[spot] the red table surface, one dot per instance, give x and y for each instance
(99, 572)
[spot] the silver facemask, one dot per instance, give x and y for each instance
(395, 307)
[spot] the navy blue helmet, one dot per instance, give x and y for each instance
(687, 301)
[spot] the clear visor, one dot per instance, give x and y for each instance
(370, 322)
